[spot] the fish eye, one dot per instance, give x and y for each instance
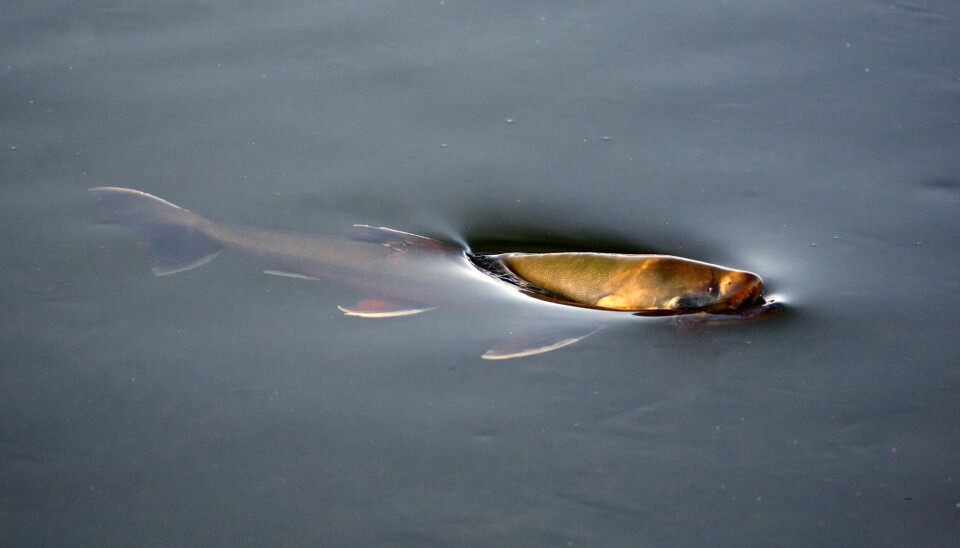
(713, 290)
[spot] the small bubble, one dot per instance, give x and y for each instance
(606, 137)
(509, 120)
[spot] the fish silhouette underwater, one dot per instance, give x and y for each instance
(407, 274)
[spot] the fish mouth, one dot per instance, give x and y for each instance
(746, 291)
(752, 295)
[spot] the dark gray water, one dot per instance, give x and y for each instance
(815, 143)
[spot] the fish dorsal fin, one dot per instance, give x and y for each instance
(375, 308)
(523, 344)
(395, 239)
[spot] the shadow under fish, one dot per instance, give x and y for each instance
(407, 274)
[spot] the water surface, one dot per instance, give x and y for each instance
(813, 143)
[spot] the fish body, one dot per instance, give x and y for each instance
(408, 274)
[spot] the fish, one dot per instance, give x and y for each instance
(643, 284)
(407, 274)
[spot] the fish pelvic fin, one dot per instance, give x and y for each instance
(171, 236)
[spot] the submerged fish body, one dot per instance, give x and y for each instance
(401, 269)
(409, 274)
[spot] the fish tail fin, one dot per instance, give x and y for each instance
(173, 238)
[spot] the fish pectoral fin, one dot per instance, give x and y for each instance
(375, 308)
(395, 239)
(523, 344)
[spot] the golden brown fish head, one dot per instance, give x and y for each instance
(738, 288)
(723, 290)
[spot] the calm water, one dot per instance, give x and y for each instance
(814, 143)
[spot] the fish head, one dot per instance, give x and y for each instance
(736, 289)
(723, 290)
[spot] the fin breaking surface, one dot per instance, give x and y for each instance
(286, 274)
(521, 347)
(395, 239)
(380, 309)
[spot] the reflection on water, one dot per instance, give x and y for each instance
(814, 146)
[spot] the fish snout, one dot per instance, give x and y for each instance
(739, 289)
